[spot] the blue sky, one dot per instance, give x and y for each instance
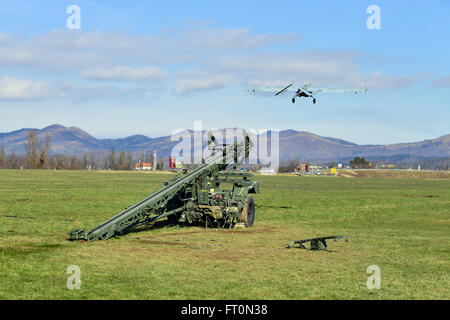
(152, 67)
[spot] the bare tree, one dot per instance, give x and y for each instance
(43, 151)
(112, 161)
(59, 159)
(107, 162)
(92, 160)
(2, 157)
(141, 157)
(51, 162)
(85, 161)
(130, 161)
(160, 165)
(75, 163)
(288, 166)
(150, 157)
(122, 161)
(17, 162)
(31, 150)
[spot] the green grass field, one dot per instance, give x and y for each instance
(402, 225)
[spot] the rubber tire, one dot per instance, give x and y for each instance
(173, 219)
(248, 212)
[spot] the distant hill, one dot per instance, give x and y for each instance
(308, 146)
(293, 145)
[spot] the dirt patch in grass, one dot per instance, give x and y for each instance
(170, 243)
(394, 174)
(38, 248)
(221, 231)
(347, 174)
(179, 233)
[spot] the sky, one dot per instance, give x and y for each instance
(135, 67)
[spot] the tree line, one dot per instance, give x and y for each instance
(37, 156)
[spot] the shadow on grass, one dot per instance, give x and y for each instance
(273, 207)
(31, 248)
(156, 225)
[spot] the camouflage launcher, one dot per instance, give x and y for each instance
(195, 197)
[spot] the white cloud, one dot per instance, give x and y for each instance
(232, 39)
(64, 50)
(125, 73)
(442, 82)
(194, 80)
(223, 57)
(14, 89)
(319, 68)
(378, 80)
(22, 89)
(83, 91)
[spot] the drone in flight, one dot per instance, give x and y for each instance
(307, 91)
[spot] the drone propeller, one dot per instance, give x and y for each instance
(283, 90)
(212, 140)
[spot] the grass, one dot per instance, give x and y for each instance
(401, 225)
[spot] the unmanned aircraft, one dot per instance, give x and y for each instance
(307, 91)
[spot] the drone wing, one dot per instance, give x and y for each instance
(329, 90)
(339, 90)
(275, 90)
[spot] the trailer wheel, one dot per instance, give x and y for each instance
(248, 212)
(172, 219)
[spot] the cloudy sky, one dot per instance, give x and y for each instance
(151, 68)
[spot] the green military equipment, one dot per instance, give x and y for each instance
(195, 197)
(316, 243)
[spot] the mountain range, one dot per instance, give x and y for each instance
(293, 145)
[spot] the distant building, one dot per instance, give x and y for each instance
(301, 167)
(267, 171)
(146, 166)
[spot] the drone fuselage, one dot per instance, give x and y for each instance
(301, 93)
